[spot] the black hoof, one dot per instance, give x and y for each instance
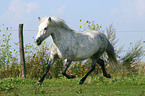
(38, 83)
(71, 76)
(80, 83)
(107, 75)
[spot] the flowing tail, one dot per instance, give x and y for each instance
(112, 58)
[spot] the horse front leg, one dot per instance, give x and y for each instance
(50, 63)
(66, 66)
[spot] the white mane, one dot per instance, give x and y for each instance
(56, 22)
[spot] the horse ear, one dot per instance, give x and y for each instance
(49, 19)
(39, 19)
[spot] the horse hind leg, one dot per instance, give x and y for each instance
(101, 63)
(89, 72)
(94, 61)
(66, 66)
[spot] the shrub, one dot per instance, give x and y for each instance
(8, 62)
(133, 56)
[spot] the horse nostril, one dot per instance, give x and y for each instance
(37, 41)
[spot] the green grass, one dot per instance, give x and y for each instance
(94, 86)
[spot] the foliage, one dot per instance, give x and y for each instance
(111, 35)
(132, 57)
(8, 62)
(88, 25)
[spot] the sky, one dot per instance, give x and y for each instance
(127, 17)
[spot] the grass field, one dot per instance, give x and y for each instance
(94, 86)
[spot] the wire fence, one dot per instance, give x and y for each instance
(116, 30)
(35, 30)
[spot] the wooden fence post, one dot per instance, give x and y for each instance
(22, 55)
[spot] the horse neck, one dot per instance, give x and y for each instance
(61, 35)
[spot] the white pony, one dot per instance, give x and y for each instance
(72, 46)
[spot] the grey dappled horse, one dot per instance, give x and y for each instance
(74, 46)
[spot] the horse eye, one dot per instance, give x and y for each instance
(45, 28)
